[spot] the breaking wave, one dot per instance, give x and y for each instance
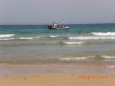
(6, 35)
(92, 37)
(73, 43)
(72, 58)
(95, 36)
(98, 36)
(29, 38)
(108, 57)
(53, 36)
(7, 38)
(67, 43)
(97, 57)
(104, 34)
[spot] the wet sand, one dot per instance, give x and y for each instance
(58, 79)
(56, 68)
(57, 75)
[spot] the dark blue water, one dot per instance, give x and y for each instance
(42, 29)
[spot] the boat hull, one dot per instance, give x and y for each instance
(58, 28)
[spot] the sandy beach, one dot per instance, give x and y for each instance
(56, 75)
(58, 79)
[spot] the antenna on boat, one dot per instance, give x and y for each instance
(63, 21)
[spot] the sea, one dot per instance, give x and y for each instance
(36, 44)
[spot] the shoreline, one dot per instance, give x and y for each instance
(6, 69)
(57, 74)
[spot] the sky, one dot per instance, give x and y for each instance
(45, 11)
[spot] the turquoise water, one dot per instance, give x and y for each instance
(36, 43)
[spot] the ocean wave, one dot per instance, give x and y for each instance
(92, 37)
(29, 38)
(7, 38)
(38, 37)
(108, 57)
(66, 43)
(20, 38)
(53, 36)
(72, 58)
(44, 37)
(104, 34)
(96, 57)
(73, 43)
(6, 35)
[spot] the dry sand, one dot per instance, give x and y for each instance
(58, 79)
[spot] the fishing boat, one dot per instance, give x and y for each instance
(54, 26)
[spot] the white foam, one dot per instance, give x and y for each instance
(83, 58)
(53, 36)
(72, 43)
(108, 57)
(72, 58)
(6, 35)
(7, 38)
(104, 34)
(30, 38)
(92, 37)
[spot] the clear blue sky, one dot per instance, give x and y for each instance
(44, 11)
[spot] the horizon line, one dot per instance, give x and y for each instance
(65, 24)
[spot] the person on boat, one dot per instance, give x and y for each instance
(54, 24)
